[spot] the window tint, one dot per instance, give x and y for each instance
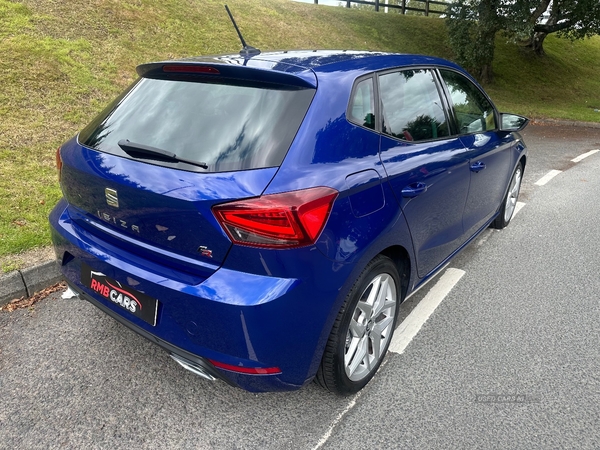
(472, 109)
(362, 105)
(411, 106)
(229, 127)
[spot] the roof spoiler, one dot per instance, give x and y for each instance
(230, 70)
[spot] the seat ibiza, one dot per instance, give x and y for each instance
(262, 217)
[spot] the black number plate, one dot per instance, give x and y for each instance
(137, 303)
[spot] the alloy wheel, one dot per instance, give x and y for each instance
(513, 195)
(370, 328)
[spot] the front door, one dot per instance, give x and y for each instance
(488, 150)
(427, 168)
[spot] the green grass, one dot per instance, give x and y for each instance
(61, 62)
(565, 84)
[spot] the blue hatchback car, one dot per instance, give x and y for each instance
(261, 218)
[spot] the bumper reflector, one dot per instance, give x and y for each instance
(247, 370)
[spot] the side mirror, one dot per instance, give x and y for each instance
(512, 122)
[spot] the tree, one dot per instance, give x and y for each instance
(573, 19)
(472, 27)
(473, 24)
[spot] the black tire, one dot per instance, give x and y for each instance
(334, 373)
(507, 210)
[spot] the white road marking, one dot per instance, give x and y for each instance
(426, 283)
(412, 324)
(409, 328)
(483, 237)
(405, 332)
(585, 155)
(542, 181)
(327, 434)
(518, 207)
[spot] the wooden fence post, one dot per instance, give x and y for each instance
(400, 5)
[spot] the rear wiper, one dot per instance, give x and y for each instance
(132, 147)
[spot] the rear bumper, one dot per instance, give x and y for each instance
(209, 371)
(240, 321)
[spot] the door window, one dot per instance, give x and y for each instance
(473, 111)
(411, 106)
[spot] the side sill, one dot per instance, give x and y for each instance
(446, 261)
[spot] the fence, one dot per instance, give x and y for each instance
(402, 6)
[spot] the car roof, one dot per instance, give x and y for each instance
(301, 66)
(323, 60)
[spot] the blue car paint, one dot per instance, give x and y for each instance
(262, 307)
(178, 198)
(433, 217)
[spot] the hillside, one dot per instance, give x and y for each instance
(61, 62)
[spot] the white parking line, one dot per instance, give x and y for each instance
(333, 424)
(518, 207)
(412, 324)
(542, 181)
(483, 237)
(585, 155)
(409, 328)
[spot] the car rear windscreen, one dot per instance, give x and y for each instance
(228, 127)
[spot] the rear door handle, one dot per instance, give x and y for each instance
(477, 166)
(412, 190)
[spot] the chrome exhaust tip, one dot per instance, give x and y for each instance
(193, 367)
(70, 293)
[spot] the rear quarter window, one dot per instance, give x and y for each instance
(361, 109)
(228, 127)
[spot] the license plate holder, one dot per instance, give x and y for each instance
(131, 300)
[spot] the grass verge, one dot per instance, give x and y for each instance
(61, 62)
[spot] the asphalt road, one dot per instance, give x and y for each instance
(509, 359)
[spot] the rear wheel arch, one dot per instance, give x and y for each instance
(393, 265)
(363, 329)
(399, 255)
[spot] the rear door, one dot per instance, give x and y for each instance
(426, 166)
(488, 150)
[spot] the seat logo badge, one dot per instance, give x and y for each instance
(111, 197)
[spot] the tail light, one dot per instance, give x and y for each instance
(59, 163)
(290, 219)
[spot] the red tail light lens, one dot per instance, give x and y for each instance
(290, 219)
(247, 370)
(58, 163)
